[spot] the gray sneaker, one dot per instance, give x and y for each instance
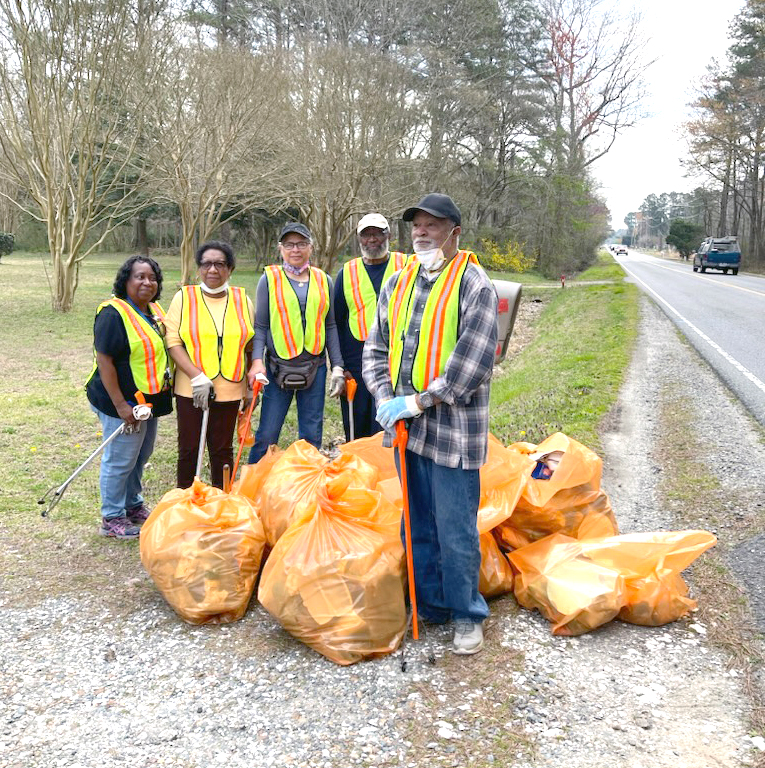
(119, 528)
(468, 637)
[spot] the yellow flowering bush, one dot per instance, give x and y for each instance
(508, 257)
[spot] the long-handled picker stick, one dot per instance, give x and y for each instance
(257, 386)
(402, 436)
(141, 412)
(350, 393)
(59, 492)
(202, 440)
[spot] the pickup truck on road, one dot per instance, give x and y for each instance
(718, 253)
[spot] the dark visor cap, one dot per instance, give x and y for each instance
(438, 205)
(297, 228)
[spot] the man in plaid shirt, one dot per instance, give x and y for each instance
(428, 359)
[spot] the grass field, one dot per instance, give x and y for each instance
(566, 378)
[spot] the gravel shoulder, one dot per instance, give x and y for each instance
(113, 678)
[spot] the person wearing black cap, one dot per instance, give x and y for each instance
(294, 330)
(428, 359)
(357, 287)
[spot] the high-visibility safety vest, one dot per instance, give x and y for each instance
(360, 294)
(438, 332)
(289, 335)
(216, 354)
(149, 362)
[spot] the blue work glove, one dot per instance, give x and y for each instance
(392, 411)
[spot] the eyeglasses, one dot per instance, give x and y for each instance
(301, 246)
(219, 265)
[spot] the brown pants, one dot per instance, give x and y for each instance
(220, 433)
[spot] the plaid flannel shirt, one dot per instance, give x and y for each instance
(456, 429)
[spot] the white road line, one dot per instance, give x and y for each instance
(732, 360)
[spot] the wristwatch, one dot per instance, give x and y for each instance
(425, 400)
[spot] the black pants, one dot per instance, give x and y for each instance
(364, 411)
(220, 433)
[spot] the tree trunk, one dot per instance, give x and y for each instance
(64, 284)
(141, 236)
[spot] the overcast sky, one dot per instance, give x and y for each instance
(646, 158)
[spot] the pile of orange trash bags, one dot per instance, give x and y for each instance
(334, 575)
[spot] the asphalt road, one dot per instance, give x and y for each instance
(723, 317)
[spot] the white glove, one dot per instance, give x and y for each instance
(200, 391)
(337, 382)
(141, 412)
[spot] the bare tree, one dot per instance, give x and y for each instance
(594, 73)
(212, 146)
(351, 117)
(74, 86)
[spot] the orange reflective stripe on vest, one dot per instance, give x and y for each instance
(360, 295)
(216, 353)
(148, 356)
(279, 299)
(290, 336)
(440, 320)
(192, 299)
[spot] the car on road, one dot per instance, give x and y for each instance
(621, 250)
(718, 253)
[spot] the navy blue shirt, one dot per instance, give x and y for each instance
(350, 346)
(110, 338)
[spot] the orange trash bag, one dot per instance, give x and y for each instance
(203, 549)
(561, 503)
(371, 450)
(335, 579)
(294, 478)
(566, 587)
(496, 576)
(252, 476)
(503, 478)
(651, 563)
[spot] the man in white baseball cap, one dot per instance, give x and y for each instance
(356, 289)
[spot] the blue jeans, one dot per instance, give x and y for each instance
(443, 508)
(273, 410)
(122, 463)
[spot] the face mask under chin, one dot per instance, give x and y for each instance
(432, 259)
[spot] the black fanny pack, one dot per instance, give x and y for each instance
(294, 374)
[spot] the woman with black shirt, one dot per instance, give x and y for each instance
(131, 367)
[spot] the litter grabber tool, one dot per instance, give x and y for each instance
(141, 412)
(350, 392)
(256, 387)
(202, 441)
(402, 437)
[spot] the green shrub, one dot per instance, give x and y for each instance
(6, 243)
(508, 257)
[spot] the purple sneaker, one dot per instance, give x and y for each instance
(119, 528)
(138, 515)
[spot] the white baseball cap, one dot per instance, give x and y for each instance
(373, 220)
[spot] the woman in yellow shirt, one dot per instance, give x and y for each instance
(209, 336)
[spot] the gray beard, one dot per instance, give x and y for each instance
(372, 259)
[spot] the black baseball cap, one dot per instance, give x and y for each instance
(297, 228)
(438, 205)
